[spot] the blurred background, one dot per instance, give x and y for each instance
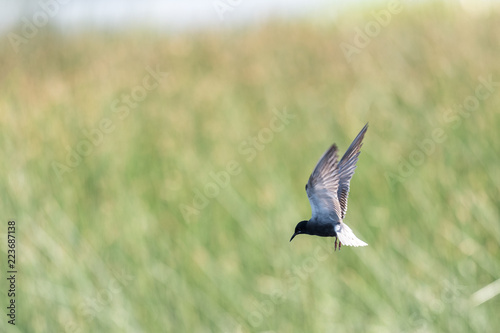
(154, 157)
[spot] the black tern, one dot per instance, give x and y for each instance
(327, 190)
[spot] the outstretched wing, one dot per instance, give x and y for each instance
(346, 167)
(323, 185)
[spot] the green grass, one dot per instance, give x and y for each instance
(106, 248)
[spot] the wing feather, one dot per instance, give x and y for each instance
(346, 167)
(323, 185)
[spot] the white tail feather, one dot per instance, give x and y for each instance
(346, 236)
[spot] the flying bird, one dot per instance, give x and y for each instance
(327, 190)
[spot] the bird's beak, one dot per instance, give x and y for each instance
(295, 234)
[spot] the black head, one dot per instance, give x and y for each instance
(300, 229)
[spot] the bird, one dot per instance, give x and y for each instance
(327, 190)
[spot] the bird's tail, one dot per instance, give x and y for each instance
(346, 236)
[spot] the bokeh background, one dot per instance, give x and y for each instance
(154, 160)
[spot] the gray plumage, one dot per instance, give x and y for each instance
(327, 190)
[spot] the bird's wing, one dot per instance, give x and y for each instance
(322, 187)
(346, 236)
(347, 165)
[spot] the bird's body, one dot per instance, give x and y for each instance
(327, 190)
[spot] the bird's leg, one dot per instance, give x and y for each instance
(340, 244)
(335, 243)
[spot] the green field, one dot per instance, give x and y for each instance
(156, 179)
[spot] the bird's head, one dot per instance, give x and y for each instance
(300, 229)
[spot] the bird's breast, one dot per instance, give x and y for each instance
(322, 228)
